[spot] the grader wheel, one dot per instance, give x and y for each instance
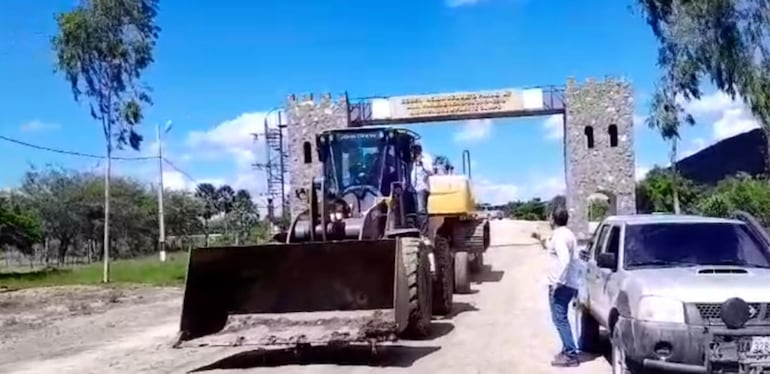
(462, 276)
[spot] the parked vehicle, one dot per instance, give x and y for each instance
(679, 293)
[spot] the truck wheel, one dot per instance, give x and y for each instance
(462, 281)
(588, 331)
(443, 277)
(417, 264)
(620, 363)
(477, 263)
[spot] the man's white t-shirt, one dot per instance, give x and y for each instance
(420, 175)
(564, 257)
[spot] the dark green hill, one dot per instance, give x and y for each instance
(744, 152)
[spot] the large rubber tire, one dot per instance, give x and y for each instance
(477, 264)
(588, 336)
(443, 277)
(462, 276)
(417, 264)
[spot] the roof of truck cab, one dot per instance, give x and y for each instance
(645, 219)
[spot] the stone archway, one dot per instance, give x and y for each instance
(598, 136)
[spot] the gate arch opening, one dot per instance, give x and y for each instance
(599, 205)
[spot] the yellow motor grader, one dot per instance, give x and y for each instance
(454, 223)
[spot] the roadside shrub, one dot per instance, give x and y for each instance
(741, 192)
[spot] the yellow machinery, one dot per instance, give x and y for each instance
(353, 267)
(454, 223)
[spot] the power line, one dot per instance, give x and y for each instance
(72, 153)
(89, 155)
(180, 171)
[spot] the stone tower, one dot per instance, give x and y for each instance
(598, 148)
(306, 117)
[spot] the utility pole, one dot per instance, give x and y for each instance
(674, 176)
(161, 216)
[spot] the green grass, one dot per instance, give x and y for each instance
(148, 270)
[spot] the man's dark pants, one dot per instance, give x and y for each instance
(560, 297)
(422, 210)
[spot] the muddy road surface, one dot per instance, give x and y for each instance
(502, 327)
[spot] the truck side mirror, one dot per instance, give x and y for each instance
(607, 261)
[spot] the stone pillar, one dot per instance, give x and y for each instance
(306, 117)
(600, 113)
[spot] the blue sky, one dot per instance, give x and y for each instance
(219, 69)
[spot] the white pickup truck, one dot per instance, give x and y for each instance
(678, 293)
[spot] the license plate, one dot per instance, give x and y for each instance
(760, 344)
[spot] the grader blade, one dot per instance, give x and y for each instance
(279, 294)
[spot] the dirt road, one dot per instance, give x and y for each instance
(504, 327)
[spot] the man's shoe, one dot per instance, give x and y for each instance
(563, 360)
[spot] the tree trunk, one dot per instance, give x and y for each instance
(674, 179)
(47, 251)
(107, 171)
(206, 232)
(64, 243)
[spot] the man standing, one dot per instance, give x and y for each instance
(563, 283)
(421, 170)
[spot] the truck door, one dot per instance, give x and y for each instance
(609, 278)
(593, 275)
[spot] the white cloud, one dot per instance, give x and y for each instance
(709, 104)
(694, 146)
(546, 187)
(231, 138)
(474, 130)
(234, 140)
(38, 126)
(493, 193)
(543, 186)
(730, 117)
(554, 127)
(177, 181)
(459, 3)
(733, 122)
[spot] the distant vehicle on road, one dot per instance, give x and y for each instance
(678, 293)
(492, 213)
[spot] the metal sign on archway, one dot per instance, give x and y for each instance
(457, 106)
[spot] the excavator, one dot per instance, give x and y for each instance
(352, 267)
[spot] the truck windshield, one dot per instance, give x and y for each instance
(689, 244)
(355, 159)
